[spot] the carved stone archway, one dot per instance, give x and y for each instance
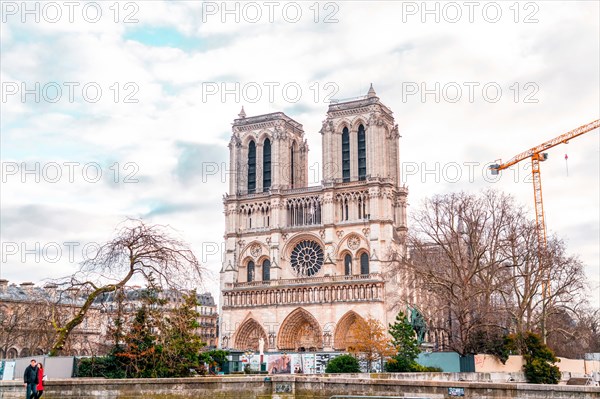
(300, 331)
(343, 335)
(249, 334)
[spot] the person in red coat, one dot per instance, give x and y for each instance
(40, 385)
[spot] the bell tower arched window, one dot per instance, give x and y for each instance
(345, 155)
(364, 263)
(250, 271)
(267, 165)
(251, 167)
(266, 270)
(292, 166)
(362, 153)
(347, 265)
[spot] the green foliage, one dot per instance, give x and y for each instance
(404, 339)
(428, 369)
(215, 359)
(401, 365)
(181, 346)
(539, 359)
(343, 364)
(493, 342)
(406, 345)
(158, 343)
(535, 348)
(139, 354)
(539, 371)
(100, 366)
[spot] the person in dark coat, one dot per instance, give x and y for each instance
(30, 380)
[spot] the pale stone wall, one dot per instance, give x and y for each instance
(491, 364)
(592, 366)
(293, 387)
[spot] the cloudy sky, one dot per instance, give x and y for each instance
(124, 109)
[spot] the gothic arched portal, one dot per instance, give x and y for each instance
(248, 335)
(300, 331)
(343, 338)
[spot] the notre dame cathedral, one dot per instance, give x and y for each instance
(303, 263)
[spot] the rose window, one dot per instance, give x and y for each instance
(307, 258)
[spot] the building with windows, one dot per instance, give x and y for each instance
(208, 319)
(302, 263)
(27, 312)
(26, 315)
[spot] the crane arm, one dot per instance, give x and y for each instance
(537, 156)
(563, 138)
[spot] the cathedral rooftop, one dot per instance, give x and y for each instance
(358, 102)
(274, 116)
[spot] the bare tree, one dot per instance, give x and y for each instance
(25, 323)
(475, 260)
(13, 319)
(525, 280)
(455, 257)
(138, 251)
(573, 334)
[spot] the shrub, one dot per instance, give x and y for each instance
(539, 371)
(427, 369)
(402, 365)
(100, 366)
(539, 359)
(343, 364)
(399, 364)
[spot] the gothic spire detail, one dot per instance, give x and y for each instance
(242, 113)
(371, 92)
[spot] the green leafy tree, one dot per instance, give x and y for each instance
(343, 364)
(404, 338)
(181, 346)
(406, 345)
(139, 354)
(160, 341)
(215, 359)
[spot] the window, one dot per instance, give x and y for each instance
(364, 263)
(267, 165)
(362, 209)
(251, 167)
(266, 270)
(345, 155)
(307, 258)
(250, 271)
(292, 148)
(362, 153)
(345, 209)
(348, 265)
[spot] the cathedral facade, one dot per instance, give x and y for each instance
(303, 263)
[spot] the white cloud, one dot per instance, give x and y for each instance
(370, 43)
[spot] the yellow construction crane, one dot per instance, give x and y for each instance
(538, 156)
